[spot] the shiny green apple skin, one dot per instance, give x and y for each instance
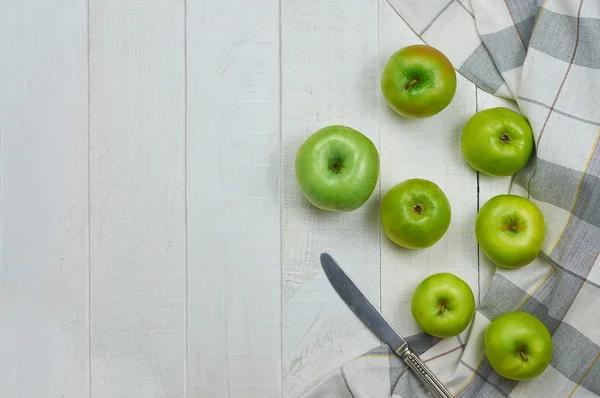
(497, 141)
(518, 345)
(510, 230)
(337, 168)
(415, 213)
(443, 305)
(418, 81)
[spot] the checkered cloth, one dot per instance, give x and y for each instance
(546, 57)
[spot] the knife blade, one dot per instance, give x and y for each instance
(364, 309)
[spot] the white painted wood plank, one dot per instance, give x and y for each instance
(426, 148)
(137, 154)
(330, 75)
(44, 189)
(234, 329)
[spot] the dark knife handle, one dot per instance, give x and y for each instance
(426, 376)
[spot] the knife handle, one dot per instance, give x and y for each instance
(426, 376)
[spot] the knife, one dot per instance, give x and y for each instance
(370, 316)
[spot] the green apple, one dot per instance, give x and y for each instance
(415, 213)
(418, 81)
(518, 345)
(497, 141)
(337, 168)
(443, 305)
(510, 230)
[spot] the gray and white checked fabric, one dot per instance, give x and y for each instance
(545, 55)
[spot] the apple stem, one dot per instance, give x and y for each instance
(442, 308)
(522, 354)
(410, 84)
(335, 166)
(505, 138)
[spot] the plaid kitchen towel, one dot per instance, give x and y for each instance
(544, 55)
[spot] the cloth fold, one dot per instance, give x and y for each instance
(545, 56)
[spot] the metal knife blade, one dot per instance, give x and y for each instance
(361, 305)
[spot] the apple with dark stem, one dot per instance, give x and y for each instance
(518, 345)
(418, 81)
(415, 213)
(510, 230)
(497, 141)
(337, 168)
(443, 304)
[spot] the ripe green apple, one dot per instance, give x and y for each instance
(510, 230)
(337, 168)
(497, 141)
(518, 345)
(415, 213)
(418, 81)
(443, 304)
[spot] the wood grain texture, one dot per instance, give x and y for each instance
(137, 194)
(193, 208)
(234, 285)
(426, 148)
(330, 76)
(44, 213)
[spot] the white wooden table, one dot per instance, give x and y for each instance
(154, 240)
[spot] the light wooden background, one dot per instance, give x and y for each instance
(153, 239)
